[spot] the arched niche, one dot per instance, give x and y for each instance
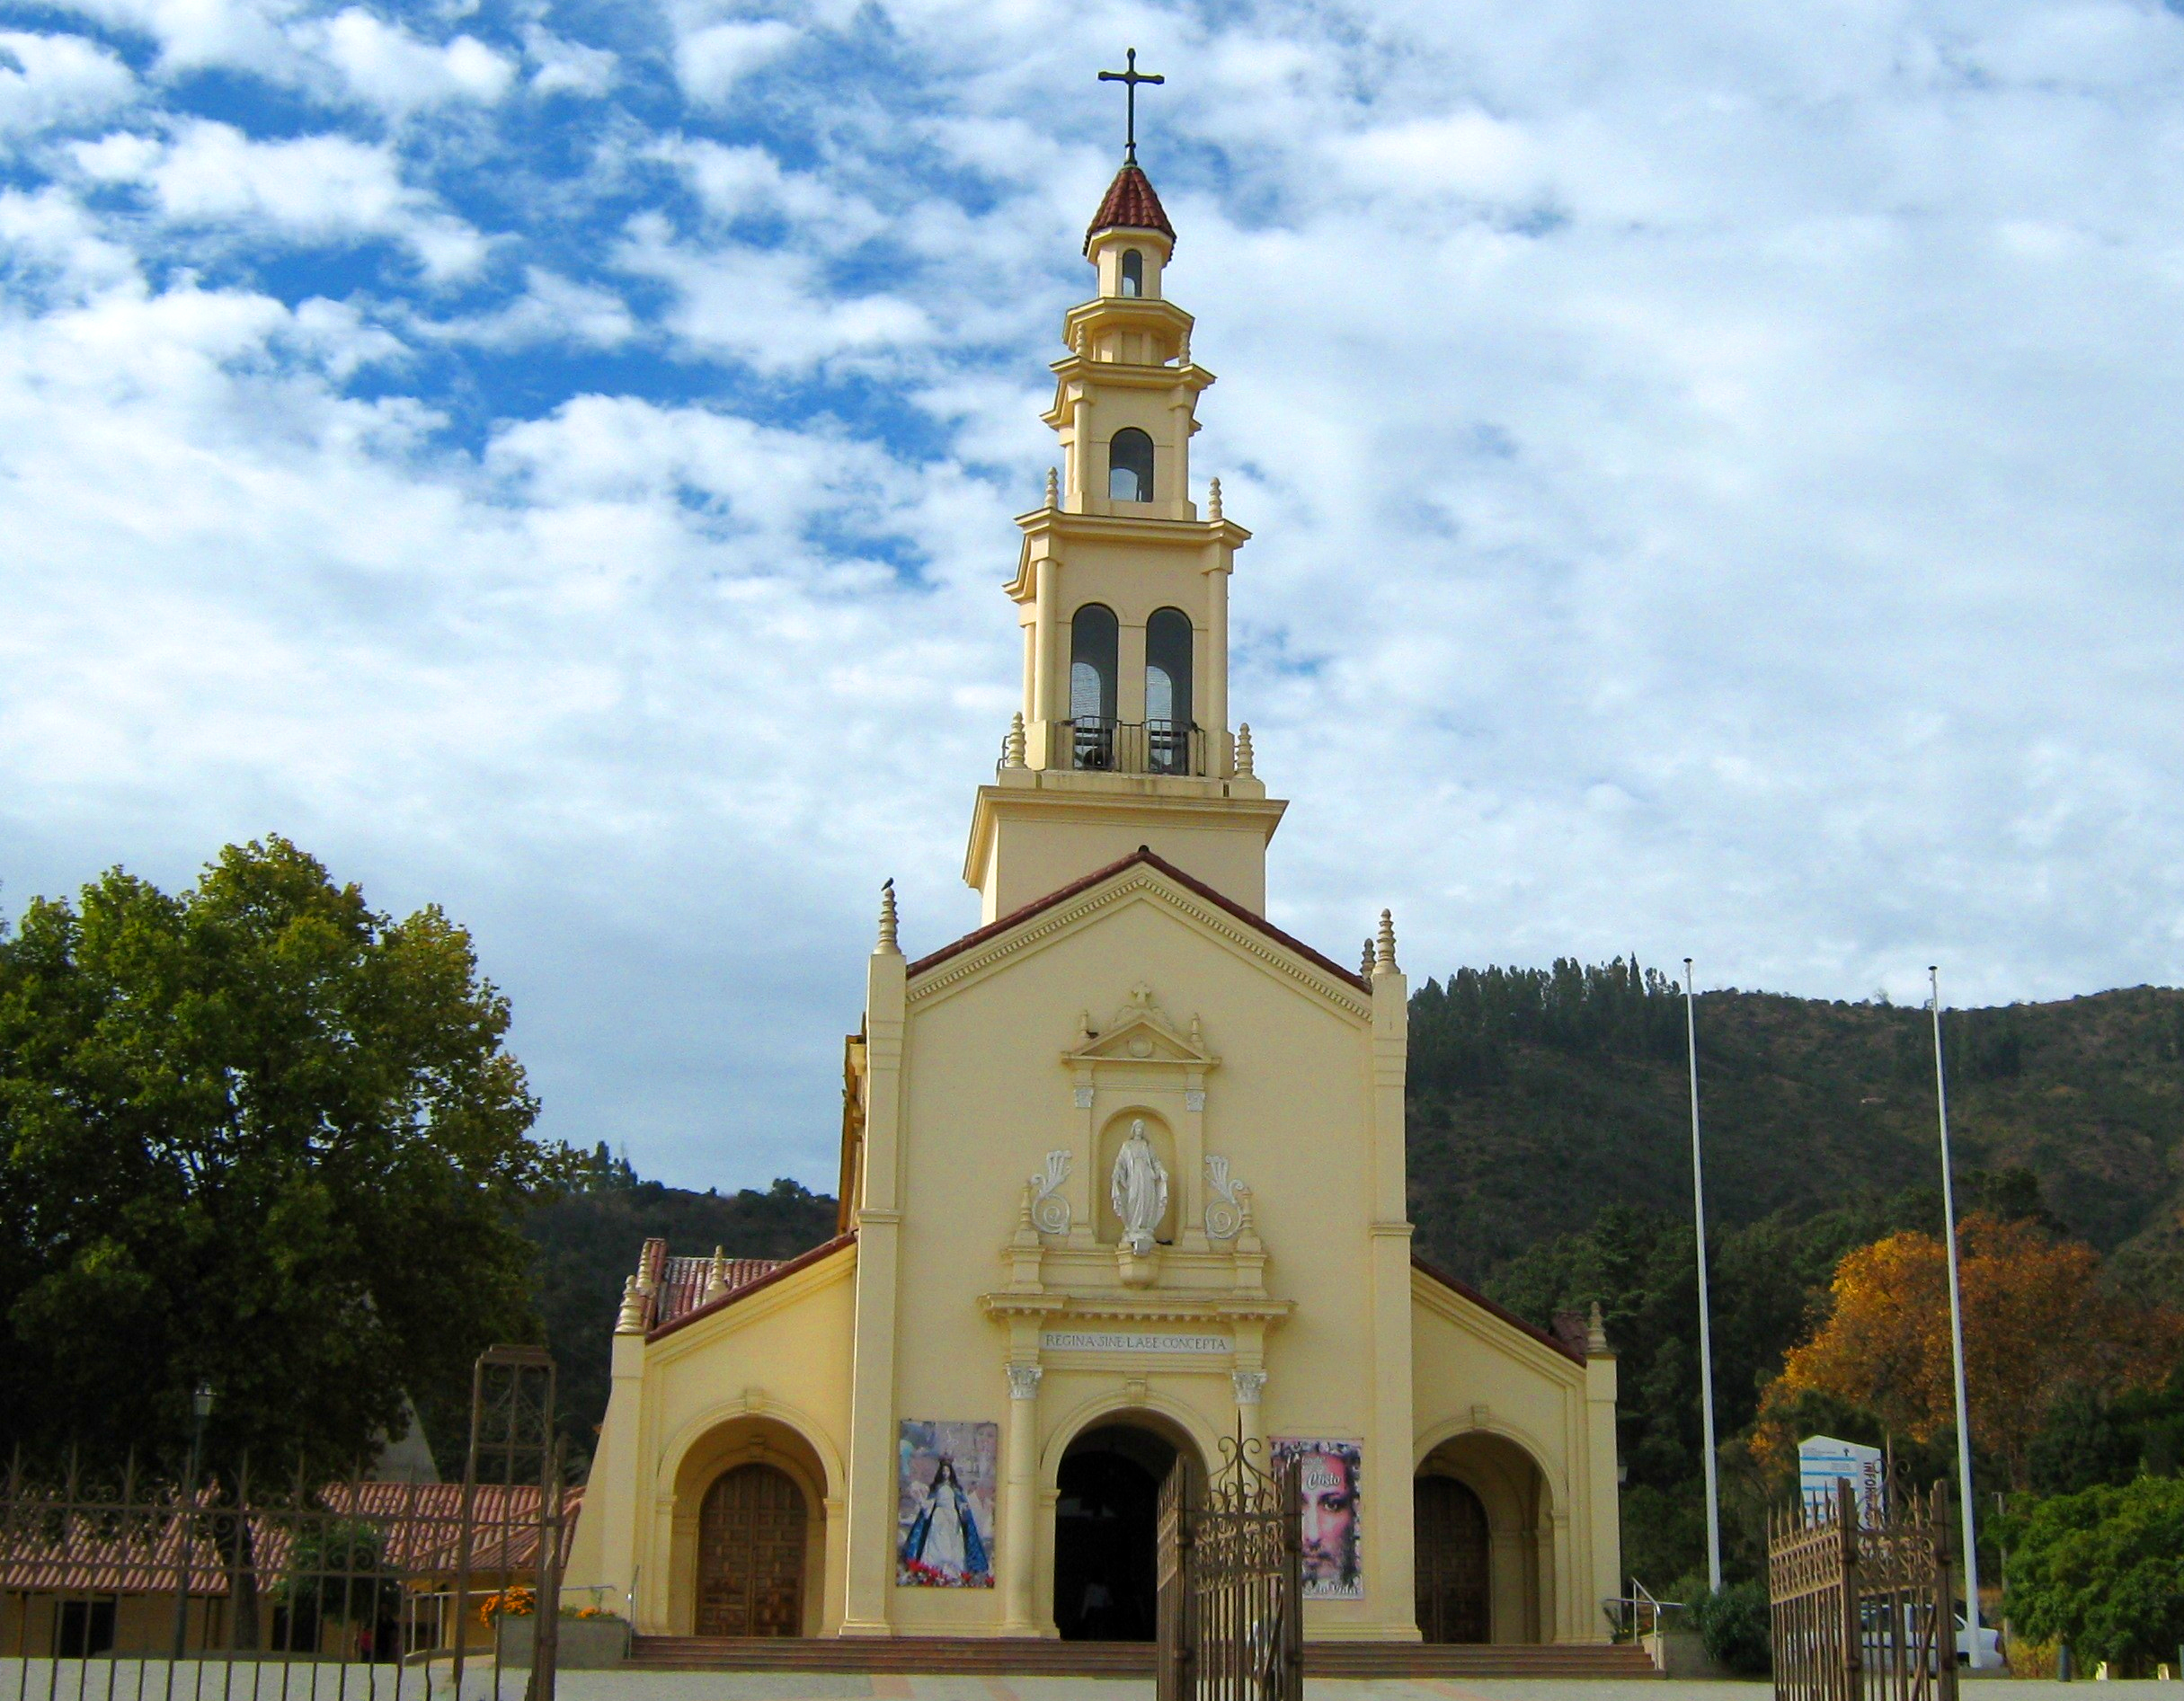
(1162, 1139)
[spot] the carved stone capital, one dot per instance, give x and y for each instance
(1024, 1380)
(1249, 1386)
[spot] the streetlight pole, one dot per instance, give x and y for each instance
(185, 1566)
(1706, 1327)
(1956, 1332)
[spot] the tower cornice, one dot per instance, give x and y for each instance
(1221, 538)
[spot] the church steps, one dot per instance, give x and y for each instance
(1034, 1656)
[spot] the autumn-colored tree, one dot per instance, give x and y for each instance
(2036, 1322)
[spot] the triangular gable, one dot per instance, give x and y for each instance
(1143, 1033)
(1144, 856)
(1472, 1297)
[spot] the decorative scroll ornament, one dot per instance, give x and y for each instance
(1138, 1190)
(1225, 1210)
(1050, 1209)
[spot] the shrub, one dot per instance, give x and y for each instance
(1732, 1622)
(2102, 1570)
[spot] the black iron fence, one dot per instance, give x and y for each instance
(125, 1584)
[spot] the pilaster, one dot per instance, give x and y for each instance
(1019, 1553)
(1388, 1480)
(1602, 1499)
(870, 1564)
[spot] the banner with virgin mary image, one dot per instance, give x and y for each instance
(943, 1503)
(1330, 1484)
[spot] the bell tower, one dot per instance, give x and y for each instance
(1122, 591)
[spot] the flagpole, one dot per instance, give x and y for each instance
(1706, 1327)
(1956, 1331)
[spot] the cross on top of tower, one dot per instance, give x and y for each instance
(1130, 79)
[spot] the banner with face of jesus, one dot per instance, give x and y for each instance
(1329, 1487)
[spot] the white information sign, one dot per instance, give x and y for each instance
(1822, 1461)
(1130, 1340)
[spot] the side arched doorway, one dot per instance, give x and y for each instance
(1452, 1565)
(750, 1553)
(1483, 1544)
(1106, 1532)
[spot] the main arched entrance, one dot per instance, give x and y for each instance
(1453, 1579)
(751, 1546)
(1106, 1533)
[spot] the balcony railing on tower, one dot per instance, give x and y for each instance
(1132, 746)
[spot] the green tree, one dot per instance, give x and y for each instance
(256, 1135)
(2104, 1570)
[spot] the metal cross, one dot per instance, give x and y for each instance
(1130, 80)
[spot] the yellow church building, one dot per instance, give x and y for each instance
(1121, 1178)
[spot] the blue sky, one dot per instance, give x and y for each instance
(1714, 473)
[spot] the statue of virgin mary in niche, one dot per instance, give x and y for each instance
(1138, 1190)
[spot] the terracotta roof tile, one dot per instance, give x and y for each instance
(1129, 204)
(682, 1283)
(769, 1271)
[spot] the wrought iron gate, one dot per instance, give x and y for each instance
(1863, 1605)
(1231, 1622)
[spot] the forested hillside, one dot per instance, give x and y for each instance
(1537, 1098)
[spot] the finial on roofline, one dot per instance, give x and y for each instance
(1244, 756)
(1013, 753)
(630, 1320)
(1213, 499)
(1365, 966)
(1596, 1333)
(1054, 488)
(1383, 945)
(887, 946)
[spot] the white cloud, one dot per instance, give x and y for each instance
(769, 307)
(551, 309)
(324, 189)
(390, 68)
(54, 82)
(562, 67)
(711, 58)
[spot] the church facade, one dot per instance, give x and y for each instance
(1122, 1179)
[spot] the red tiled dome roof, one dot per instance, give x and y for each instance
(1129, 204)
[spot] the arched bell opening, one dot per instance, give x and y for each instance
(1093, 645)
(1484, 1542)
(1133, 272)
(1168, 692)
(1106, 1526)
(749, 1539)
(1130, 466)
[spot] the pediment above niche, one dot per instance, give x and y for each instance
(1143, 1033)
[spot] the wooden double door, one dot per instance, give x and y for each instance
(1452, 1566)
(751, 1547)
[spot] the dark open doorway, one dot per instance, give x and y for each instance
(1106, 1532)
